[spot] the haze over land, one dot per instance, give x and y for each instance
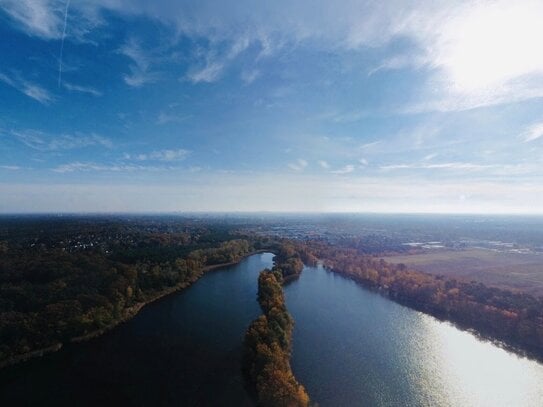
(131, 106)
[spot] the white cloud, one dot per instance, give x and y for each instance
(140, 73)
(210, 72)
(533, 132)
(164, 118)
(81, 166)
(324, 164)
(30, 89)
(162, 155)
(344, 170)
(10, 167)
(41, 18)
(363, 162)
(83, 89)
(429, 157)
(299, 165)
(444, 166)
(213, 61)
(480, 53)
(41, 141)
(250, 76)
(45, 18)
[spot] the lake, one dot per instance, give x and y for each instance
(351, 347)
(354, 347)
(184, 349)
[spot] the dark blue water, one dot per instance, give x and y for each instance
(182, 350)
(353, 347)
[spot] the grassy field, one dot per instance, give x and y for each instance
(505, 270)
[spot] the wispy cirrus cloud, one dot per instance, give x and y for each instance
(45, 18)
(532, 132)
(474, 54)
(441, 166)
(299, 165)
(11, 167)
(347, 169)
(249, 76)
(41, 141)
(324, 164)
(28, 88)
(78, 166)
(82, 89)
(214, 60)
(165, 118)
(36, 17)
(160, 155)
(140, 68)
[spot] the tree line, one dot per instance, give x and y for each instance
(50, 295)
(514, 318)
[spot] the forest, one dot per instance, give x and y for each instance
(515, 319)
(65, 281)
(268, 340)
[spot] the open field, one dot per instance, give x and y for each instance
(500, 269)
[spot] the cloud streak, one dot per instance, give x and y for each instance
(36, 17)
(41, 141)
(30, 89)
(160, 155)
(347, 169)
(533, 132)
(441, 166)
(299, 165)
(82, 89)
(140, 68)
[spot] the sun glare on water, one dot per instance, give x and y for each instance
(477, 373)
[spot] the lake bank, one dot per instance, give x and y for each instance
(352, 346)
(128, 314)
(186, 347)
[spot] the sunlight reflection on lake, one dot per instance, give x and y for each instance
(354, 347)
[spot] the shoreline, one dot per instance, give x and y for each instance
(518, 349)
(128, 314)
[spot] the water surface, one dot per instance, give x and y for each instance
(182, 350)
(353, 347)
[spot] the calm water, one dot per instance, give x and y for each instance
(183, 350)
(353, 347)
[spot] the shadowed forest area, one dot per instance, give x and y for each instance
(68, 281)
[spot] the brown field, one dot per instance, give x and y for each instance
(505, 270)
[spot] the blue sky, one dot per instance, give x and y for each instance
(397, 106)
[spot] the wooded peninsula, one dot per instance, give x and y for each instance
(268, 341)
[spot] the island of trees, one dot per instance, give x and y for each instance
(268, 340)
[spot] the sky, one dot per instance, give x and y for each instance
(297, 106)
